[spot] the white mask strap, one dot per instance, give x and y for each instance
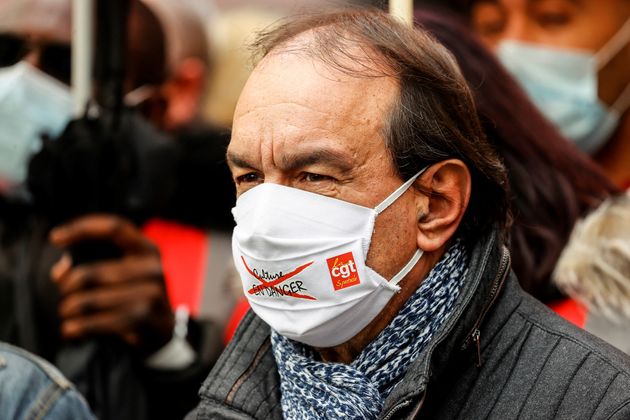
(407, 268)
(396, 194)
(623, 101)
(613, 46)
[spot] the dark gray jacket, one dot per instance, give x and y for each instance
(502, 355)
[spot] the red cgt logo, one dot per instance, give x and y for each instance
(343, 271)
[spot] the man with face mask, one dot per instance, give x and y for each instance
(371, 221)
(573, 59)
(126, 297)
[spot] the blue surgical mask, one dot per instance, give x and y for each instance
(563, 85)
(31, 104)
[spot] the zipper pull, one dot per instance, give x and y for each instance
(476, 335)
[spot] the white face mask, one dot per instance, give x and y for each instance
(301, 258)
(31, 104)
(563, 85)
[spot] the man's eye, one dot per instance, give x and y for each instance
(311, 177)
(248, 178)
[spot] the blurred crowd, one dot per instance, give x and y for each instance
(120, 276)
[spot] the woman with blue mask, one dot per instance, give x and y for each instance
(564, 86)
(573, 60)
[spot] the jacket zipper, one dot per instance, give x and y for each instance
(396, 408)
(404, 404)
(502, 273)
(474, 335)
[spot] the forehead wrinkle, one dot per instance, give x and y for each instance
(265, 73)
(328, 115)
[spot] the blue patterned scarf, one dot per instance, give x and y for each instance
(312, 389)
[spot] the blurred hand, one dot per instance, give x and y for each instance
(124, 297)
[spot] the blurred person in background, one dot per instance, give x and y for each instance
(230, 33)
(554, 186)
(127, 297)
(594, 268)
(552, 182)
(573, 59)
(31, 388)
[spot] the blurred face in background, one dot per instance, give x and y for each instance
(34, 73)
(572, 57)
(167, 85)
(37, 32)
(575, 24)
(585, 25)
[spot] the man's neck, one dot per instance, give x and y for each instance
(614, 157)
(348, 351)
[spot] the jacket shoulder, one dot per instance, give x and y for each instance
(30, 387)
(591, 374)
(244, 383)
(537, 365)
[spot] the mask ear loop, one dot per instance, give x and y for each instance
(623, 101)
(388, 202)
(407, 268)
(606, 54)
(396, 194)
(613, 46)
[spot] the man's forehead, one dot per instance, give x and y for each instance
(289, 77)
(49, 20)
(294, 103)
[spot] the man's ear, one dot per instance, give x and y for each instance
(446, 186)
(184, 92)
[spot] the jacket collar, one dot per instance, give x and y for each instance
(489, 266)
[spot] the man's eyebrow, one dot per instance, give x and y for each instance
(237, 160)
(294, 161)
(339, 160)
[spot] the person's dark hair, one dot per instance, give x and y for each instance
(552, 182)
(434, 118)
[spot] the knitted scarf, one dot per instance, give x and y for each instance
(312, 389)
